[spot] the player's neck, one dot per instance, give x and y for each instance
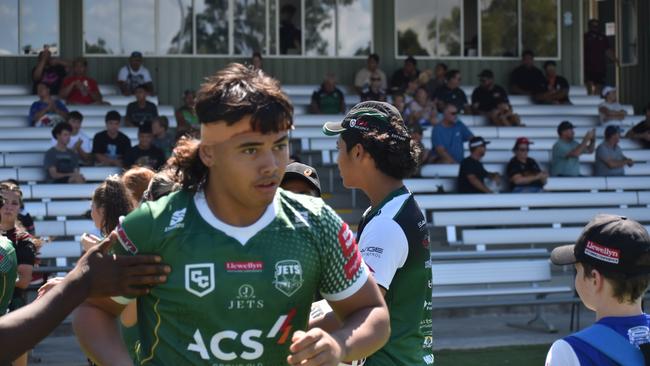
(229, 210)
(378, 186)
(611, 307)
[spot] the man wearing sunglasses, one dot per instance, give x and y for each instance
(524, 173)
(448, 137)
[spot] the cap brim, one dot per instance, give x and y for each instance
(332, 128)
(563, 255)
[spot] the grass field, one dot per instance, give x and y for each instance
(520, 355)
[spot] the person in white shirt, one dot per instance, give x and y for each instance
(362, 78)
(80, 143)
(133, 75)
(611, 111)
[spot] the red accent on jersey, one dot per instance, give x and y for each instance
(256, 266)
(346, 240)
(125, 241)
(286, 326)
(352, 266)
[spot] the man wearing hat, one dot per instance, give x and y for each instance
(491, 100)
(524, 173)
(612, 262)
(610, 110)
(472, 174)
(302, 179)
(564, 159)
(375, 154)
(134, 74)
(610, 160)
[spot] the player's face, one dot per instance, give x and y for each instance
(345, 164)
(247, 166)
(10, 209)
(299, 186)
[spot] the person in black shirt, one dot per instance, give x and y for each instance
(49, 71)
(641, 132)
(491, 101)
(524, 174)
(400, 80)
(145, 153)
(290, 35)
(472, 173)
(141, 110)
(526, 79)
(451, 93)
(557, 87)
(110, 145)
(374, 91)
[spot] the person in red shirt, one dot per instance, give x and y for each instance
(79, 88)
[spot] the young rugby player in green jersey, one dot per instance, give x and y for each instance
(247, 258)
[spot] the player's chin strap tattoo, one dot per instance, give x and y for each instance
(645, 349)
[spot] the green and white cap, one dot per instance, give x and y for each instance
(367, 117)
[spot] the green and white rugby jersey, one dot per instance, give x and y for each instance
(8, 273)
(236, 295)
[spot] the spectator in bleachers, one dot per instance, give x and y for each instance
(527, 79)
(302, 179)
(145, 153)
(610, 110)
(374, 91)
(401, 77)
(25, 245)
(411, 88)
(472, 173)
(448, 137)
(50, 71)
(451, 93)
(46, 111)
(641, 132)
(256, 61)
(80, 88)
(421, 110)
(523, 172)
(110, 145)
(399, 103)
(491, 101)
(438, 78)
(556, 88)
(596, 52)
(61, 163)
(134, 74)
(162, 138)
(610, 160)
(566, 151)
(80, 143)
(363, 78)
(328, 99)
(137, 180)
(24, 218)
(141, 111)
(186, 115)
(416, 131)
(290, 34)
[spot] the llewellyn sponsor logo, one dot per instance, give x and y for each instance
(602, 253)
(257, 266)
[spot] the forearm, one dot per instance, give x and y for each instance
(20, 330)
(444, 154)
(97, 98)
(364, 332)
(478, 184)
(103, 159)
(99, 336)
(38, 115)
(65, 91)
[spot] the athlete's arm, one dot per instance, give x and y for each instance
(96, 274)
(365, 329)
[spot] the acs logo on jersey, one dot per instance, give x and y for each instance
(199, 278)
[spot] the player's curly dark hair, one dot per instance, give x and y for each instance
(397, 158)
(228, 96)
(113, 197)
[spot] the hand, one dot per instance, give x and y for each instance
(315, 347)
(103, 274)
(89, 240)
(77, 144)
(542, 175)
(590, 134)
(496, 178)
(48, 286)
(629, 162)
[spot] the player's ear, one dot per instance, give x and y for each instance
(207, 154)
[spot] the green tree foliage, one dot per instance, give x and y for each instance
(539, 27)
(98, 48)
(408, 44)
(499, 27)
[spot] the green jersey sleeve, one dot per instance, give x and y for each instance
(134, 231)
(344, 272)
(8, 272)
